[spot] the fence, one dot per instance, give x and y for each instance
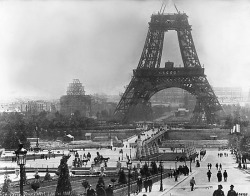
(123, 191)
(120, 190)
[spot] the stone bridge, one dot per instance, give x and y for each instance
(148, 142)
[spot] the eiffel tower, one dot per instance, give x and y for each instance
(149, 78)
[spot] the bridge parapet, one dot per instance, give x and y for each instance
(155, 137)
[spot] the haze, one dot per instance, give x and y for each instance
(44, 45)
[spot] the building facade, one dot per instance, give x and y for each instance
(229, 95)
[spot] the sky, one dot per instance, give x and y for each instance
(44, 45)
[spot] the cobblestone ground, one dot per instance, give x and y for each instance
(239, 178)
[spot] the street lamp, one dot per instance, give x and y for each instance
(129, 166)
(121, 151)
(190, 158)
(176, 160)
(161, 166)
(21, 161)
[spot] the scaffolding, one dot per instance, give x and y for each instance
(75, 88)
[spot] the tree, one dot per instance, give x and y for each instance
(154, 168)
(85, 184)
(63, 184)
(35, 185)
(122, 177)
(47, 176)
(145, 170)
(10, 140)
(101, 181)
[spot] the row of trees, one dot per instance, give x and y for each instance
(17, 126)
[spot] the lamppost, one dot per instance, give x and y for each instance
(161, 166)
(190, 158)
(121, 151)
(129, 166)
(176, 160)
(21, 161)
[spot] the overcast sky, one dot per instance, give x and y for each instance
(44, 45)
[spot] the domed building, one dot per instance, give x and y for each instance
(75, 101)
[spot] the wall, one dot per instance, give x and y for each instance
(197, 134)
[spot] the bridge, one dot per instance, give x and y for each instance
(148, 142)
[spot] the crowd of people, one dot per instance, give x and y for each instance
(101, 189)
(78, 162)
(148, 184)
(220, 192)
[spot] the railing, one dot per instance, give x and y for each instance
(155, 136)
(123, 191)
(67, 193)
(120, 190)
(196, 143)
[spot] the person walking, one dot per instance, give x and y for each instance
(231, 192)
(109, 190)
(90, 191)
(192, 183)
(146, 185)
(219, 176)
(210, 165)
(219, 191)
(225, 175)
(150, 184)
(209, 173)
(139, 184)
(216, 165)
(176, 177)
(100, 190)
(220, 166)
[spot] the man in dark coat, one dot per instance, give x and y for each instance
(216, 165)
(100, 190)
(146, 184)
(209, 173)
(150, 184)
(139, 184)
(219, 176)
(192, 183)
(225, 175)
(109, 190)
(219, 191)
(90, 191)
(231, 192)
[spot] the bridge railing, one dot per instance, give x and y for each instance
(155, 136)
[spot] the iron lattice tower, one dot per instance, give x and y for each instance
(149, 77)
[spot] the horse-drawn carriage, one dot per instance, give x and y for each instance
(98, 166)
